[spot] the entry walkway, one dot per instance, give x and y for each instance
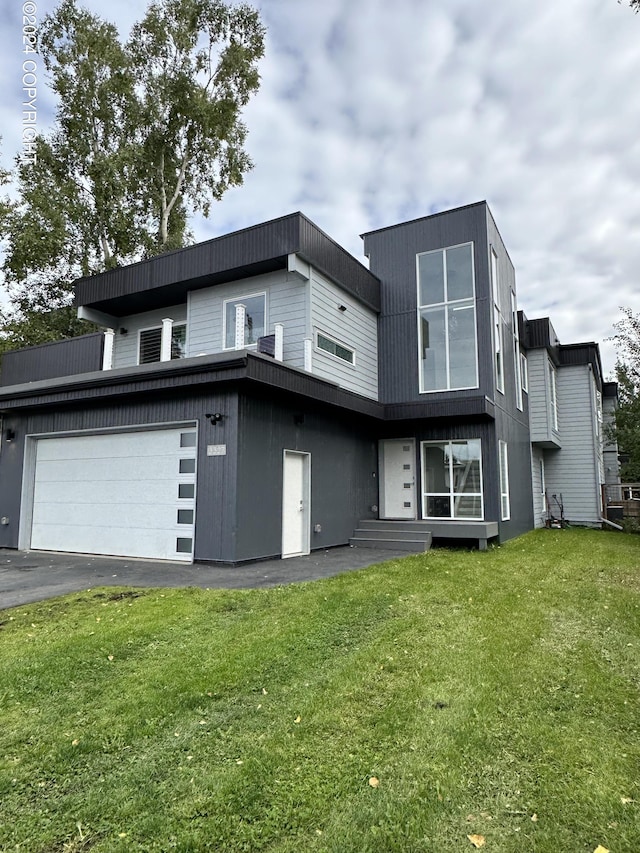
(28, 576)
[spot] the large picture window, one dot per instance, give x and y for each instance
(447, 319)
(254, 319)
(452, 479)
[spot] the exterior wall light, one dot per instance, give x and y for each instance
(9, 435)
(215, 418)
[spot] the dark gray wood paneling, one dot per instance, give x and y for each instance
(392, 255)
(166, 279)
(48, 361)
(516, 433)
(216, 477)
(343, 464)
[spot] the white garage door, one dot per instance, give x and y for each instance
(129, 494)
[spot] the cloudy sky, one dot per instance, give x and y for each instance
(373, 112)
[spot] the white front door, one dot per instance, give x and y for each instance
(296, 499)
(397, 478)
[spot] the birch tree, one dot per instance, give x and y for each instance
(147, 132)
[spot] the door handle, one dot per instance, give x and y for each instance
(301, 506)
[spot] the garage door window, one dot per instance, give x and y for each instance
(184, 545)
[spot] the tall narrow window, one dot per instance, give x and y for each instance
(498, 344)
(517, 366)
(524, 371)
(447, 319)
(553, 396)
(452, 479)
(505, 508)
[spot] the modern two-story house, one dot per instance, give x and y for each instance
(265, 394)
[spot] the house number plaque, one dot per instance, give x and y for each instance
(216, 449)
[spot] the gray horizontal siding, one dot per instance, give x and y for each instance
(126, 346)
(47, 361)
(538, 395)
(540, 414)
(575, 470)
(539, 507)
(356, 328)
(286, 303)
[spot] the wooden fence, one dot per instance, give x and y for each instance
(621, 500)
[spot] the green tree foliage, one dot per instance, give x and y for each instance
(627, 424)
(146, 132)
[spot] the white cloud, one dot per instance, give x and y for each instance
(373, 112)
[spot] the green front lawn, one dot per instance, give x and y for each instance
(404, 707)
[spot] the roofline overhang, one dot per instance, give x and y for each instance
(242, 367)
(166, 279)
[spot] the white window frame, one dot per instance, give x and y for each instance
(524, 370)
(553, 395)
(517, 366)
(503, 465)
(498, 340)
(176, 325)
(450, 494)
(543, 482)
(498, 336)
(446, 305)
(319, 333)
(241, 299)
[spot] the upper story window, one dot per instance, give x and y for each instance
(553, 396)
(334, 348)
(517, 364)
(498, 343)
(150, 345)
(243, 327)
(524, 372)
(448, 355)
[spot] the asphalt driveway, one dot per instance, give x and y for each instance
(28, 576)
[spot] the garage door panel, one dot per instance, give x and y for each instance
(126, 444)
(91, 540)
(131, 515)
(152, 492)
(114, 494)
(116, 469)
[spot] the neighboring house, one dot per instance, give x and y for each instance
(265, 394)
(567, 426)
